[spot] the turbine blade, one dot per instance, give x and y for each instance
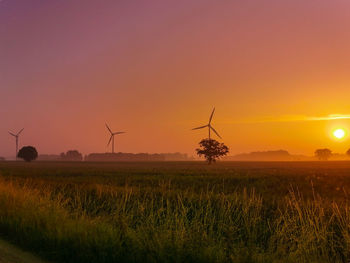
(109, 129)
(211, 116)
(201, 127)
(20, 132)
(116, 133)
(110, 139)
(215, 132)
(12, 134)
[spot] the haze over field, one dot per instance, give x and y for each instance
(277, 72)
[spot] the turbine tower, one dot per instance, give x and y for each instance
(209, 126)
(16, 136)
(111, 139)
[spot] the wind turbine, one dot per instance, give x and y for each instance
(209, 126)
(111, 139)
(16, 136)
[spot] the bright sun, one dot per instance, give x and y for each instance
(339, 133)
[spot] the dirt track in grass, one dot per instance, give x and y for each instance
(12, 254)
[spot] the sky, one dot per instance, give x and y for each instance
(277, 73)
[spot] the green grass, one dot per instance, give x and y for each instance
(178, 212)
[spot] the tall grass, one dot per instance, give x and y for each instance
(177, 212)
(101, 223)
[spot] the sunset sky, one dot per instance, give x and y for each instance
(278, 73)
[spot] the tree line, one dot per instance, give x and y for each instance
(325, 154)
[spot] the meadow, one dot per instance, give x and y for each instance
(178, 211)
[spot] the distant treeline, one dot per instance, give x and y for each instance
(72, 155)
(115, 157)
(279, 155)
(282, 156)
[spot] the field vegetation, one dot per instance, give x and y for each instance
(178, 212)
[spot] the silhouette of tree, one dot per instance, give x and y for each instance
(72, 155)
(212, 150)
(323, 154)
(348, 152)
(28, 153)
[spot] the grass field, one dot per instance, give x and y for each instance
(178, 212)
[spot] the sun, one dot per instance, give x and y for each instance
(339, 133)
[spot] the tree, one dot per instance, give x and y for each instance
(28, 153)
(323, 154)
(348, 152)
(212, 150)
(72, 155)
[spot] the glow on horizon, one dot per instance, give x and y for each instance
(291, 118)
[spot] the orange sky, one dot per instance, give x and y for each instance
(273, 69)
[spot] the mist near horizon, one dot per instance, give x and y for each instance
(276, 71)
